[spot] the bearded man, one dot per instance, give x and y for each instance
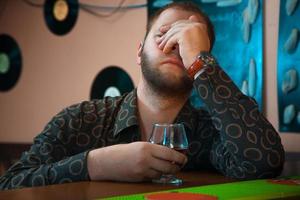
(107, 139)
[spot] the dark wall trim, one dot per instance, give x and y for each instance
(10, 153)
(9, 150)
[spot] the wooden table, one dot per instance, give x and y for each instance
(92, 190)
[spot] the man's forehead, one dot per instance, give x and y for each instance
(172, 15)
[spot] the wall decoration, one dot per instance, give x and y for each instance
(111, 81)
(10, 62)
(61, 15)
(239, 41)
(288, 68)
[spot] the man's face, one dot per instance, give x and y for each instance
(165, 73)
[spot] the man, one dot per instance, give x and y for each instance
(107, 139)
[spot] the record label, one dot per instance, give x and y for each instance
(112, 92)
(60, 10)
(61, 15)
(10, 62)
(4, 63)
(111, 81)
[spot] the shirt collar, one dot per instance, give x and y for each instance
(129, 109)
(187, 116)
(127, 115)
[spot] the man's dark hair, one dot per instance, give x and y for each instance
(186, 6)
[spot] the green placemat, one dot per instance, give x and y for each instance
(255, 189)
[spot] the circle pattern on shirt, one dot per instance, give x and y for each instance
(123, 114)
(251, 137)
(17, 180)
(75, 124)
(224, 77)
(59, 122)
(97, 131)
(234, 130)
(217, 123)
(249, 167)
(270, 135)
(223, 91)
(264, 145)
(38, 180)
(90, 118)
(253, 154)
(131, 120)
(76, 167)
(238, 172)
(64, 162)
(216, 99)
(88, 107)
(46, 148)
(231, 146)
(210, 70)
(65, 180)
(273, 158)
(52, 175)
(194, 147)
(83, 139)
(203, 91)
(33, 159)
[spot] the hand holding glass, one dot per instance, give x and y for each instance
(172, 136)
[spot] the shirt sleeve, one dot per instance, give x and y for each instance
(58, 154)
(245, 144)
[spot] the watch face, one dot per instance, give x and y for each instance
(207, 58)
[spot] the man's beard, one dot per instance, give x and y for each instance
(161, 83)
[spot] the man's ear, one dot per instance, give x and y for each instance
(139, 53)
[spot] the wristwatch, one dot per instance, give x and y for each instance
(204, 59)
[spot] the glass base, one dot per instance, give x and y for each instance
(168, 179)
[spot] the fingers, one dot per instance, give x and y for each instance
(167, 42)
(152, 174)
(163, 166)
(173, 34)
(193, 18)
(165, 28)
(165, 153)
(170, 39)
(169, 46)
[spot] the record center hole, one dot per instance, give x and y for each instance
(4, 63)
(60, 10)
(112, 92)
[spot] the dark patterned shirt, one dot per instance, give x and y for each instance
(232, 137)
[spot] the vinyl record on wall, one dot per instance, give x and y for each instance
(111, 81)
(10, 62)
(60, 15)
